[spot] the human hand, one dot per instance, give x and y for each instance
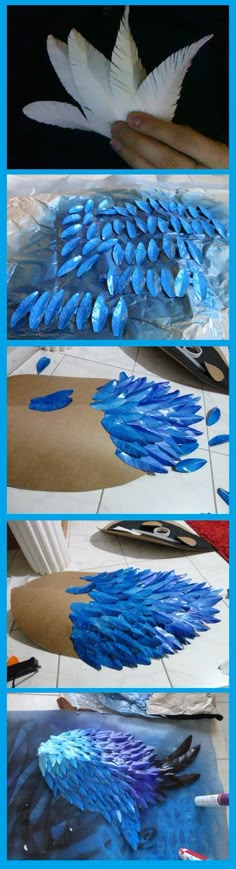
(145, 142)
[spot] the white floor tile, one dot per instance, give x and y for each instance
(89, 547)
(30, 702)
(61, 503)
(220, 468)
(76, 674)
(72, 366)
(29, 366)
(120, 357)
(163, 493)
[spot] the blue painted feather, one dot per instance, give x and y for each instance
(118, 253)
(200, 285)
(167, 283)
(70, 245)
(106, 231)
(84, 311)
(224, 495)
(189, 465)
(195, 251)
(68, 310)
(70, 265)
(138, 280)
(140, 253)
(148, 414)
(71, 230)
(153, 250)
(99, 314)
(42, 363)
(129, 252)
(181, 282)
(153, 282)
(53, 401)
(38, 310)
(218, 439)
(54, 307)
(119, 318)
(213, 416)
(113, 773)
(87, 264)
(168, 246)
(90, 245)
(23, 308)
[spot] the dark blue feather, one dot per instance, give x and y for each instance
(168, 246)
(90, 245)
(119, 318)
(195, 252)
(92, 231)
(189, 465)
(87, 264)
(220, 228)
(53, 401)
(162, 224)
(99, 314)
(131, 229)
(141, 224)
(71, 230)
(84, 311)
(199, 285)
(151, 224)
(218, 439)
(167, 283)
(181, 282)
(137, 280)
(153, 250)
(140, 253)
(68, 310)
(70, 245)
(38, 310)
(70, 265)
(118, 253)
(144, 206)
(106, 231)
(42, 363)
(23, 308)
(213, 416)
(118, 226)
(53, 308)
(153, 282)
(181, 244)
(129, 252)
(223, 494)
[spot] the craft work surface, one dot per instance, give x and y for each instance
(126, 263)
(91, 550)
(94, 833)
(171, 492)
(80, 72)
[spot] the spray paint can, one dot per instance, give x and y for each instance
(186, 854)
(212, 800)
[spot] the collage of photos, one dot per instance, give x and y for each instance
(118, 470)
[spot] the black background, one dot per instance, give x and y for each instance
(158, 31)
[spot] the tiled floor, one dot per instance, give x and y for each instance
(170, 493)
(197, 666)
(16, 702)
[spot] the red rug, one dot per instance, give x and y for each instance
(217, 533)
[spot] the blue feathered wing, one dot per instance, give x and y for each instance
(112, 773)
(136, 616)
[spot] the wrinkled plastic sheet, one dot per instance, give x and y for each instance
(34, 258)
(40, 827)
(145, 703)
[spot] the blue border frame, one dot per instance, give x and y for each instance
(3, 350)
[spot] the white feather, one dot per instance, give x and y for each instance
(126, 70)
(91, 74)
(159, 93)
(58, 55)
(59, 114)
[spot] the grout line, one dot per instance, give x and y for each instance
(58, 671)
(210, 462)
(166, 672)
(99, 502)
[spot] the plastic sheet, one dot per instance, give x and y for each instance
(34, 260)
(40, 827)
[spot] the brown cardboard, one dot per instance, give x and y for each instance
(65, 450)
(41, 610)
